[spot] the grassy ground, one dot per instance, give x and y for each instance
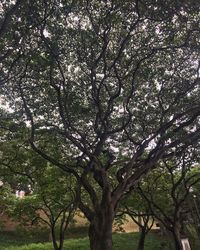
(22, 237)
(125, 241)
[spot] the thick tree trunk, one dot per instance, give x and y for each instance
(141, 240)
(100, 230)
(100, 237)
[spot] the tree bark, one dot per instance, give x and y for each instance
(141, 240)
(100, 229)
(61, 243)
(100, 237)
(53, 237)
(177, 238)
(55, 244)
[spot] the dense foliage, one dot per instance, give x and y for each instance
(111, 86)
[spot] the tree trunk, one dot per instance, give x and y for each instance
(61, 243)
(177, 238)
(141, 239)
(53, 237)
(100, 237)
(100, 230)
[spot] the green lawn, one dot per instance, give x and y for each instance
(123, 241)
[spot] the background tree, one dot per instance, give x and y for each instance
(51, 197)
(104, 79)
(7, 199)
(53, 202)
(193, 215)
(166, 191)
(195, 199)
(140, 213)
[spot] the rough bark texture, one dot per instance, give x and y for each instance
(100, 238)
(100, 230)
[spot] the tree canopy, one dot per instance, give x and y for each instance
(113, 86)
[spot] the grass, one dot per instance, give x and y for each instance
(125, 241)
(19, 238)
(22, 237)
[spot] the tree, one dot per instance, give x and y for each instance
(166, 191)
(141, 214)
(193, 215)
(107, 81)
(7, 198)
(194, 201)
(52, 202)
(51, 197)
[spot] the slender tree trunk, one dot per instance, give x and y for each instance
(57, 245)
(61, 243)
(141, 239)
(61, 238)
(53, 236)
(177, 238)
(177, 243)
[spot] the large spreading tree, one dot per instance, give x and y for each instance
(112, 85)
